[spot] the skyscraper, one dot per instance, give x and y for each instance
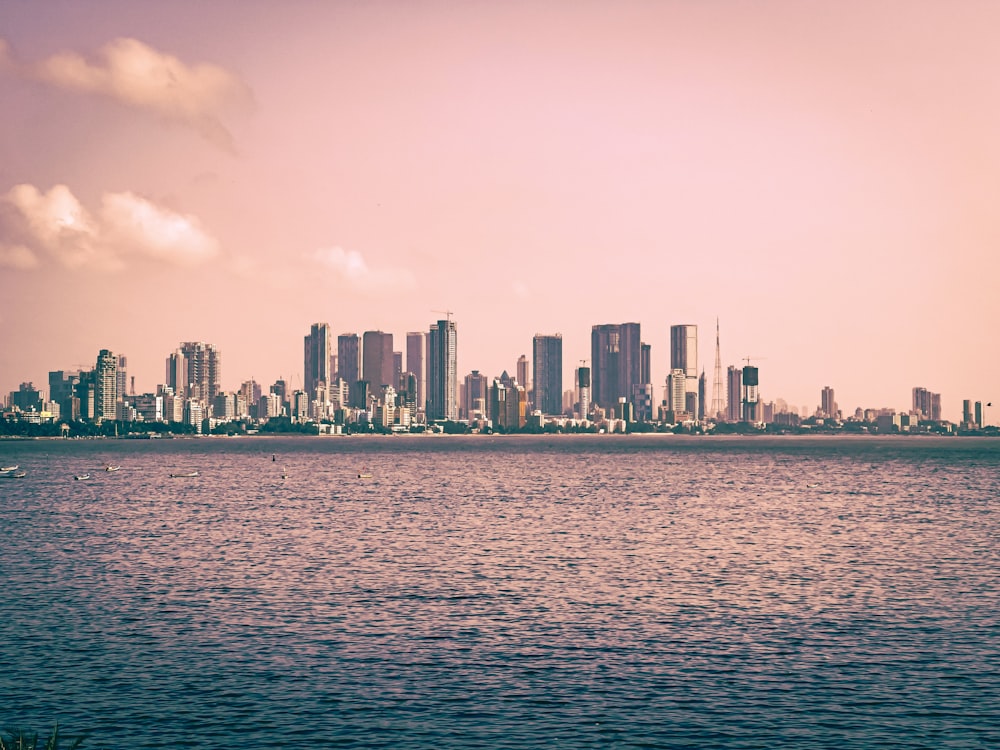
(122, 382)
(442, 371)
(376, 360)
(105, 386)
(927, 405)
(734, 391)
(317, 358)
(546, 353)
(615, 361)
(583, 390)
(828, 406)
(751, 395)
(177, 374)
(349, 361)
(684, 356)
(203, 364)
(522, 372)
(416, 345)
(477, 394)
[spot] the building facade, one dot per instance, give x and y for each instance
(615, 362)
(203, 366)
(546, 353)
(442, 371)
(317, 358)
(684, 356)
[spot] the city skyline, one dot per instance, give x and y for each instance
(821, 179)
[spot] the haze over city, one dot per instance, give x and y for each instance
(823, 178)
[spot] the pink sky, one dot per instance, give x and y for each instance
(823, 177)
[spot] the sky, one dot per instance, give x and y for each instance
(823, 178)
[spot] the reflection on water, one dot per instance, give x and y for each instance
(499, 592)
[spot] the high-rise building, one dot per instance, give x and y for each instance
(397, 371)
(349, 365)
(122, 377)
(203, 366)
(349, 361)
(508, 404)
(645, 364)
(476, 395)
(926, 405)
(442, 371)
(615, 361)
(27, 398)
(62, 388)
(702, 387)
(522, 372)
(684, 356)
(416, 362)
(177, 374)
(376, 360)
(677, 391)
(827, 406)
(583, 390)
(734, 392)
(546, 353)
(751, 395)
(318, 356)
(105, 386)
(642, 402)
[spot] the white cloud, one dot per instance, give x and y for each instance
(56, 225)
(141, 77)
(53, 223)
(350, 267)
(133, 224)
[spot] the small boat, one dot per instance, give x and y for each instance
(184, 474)
(284, 473)
(15, 474)
(81, 477)
(365, 475)
(5, 469)
(109, 467)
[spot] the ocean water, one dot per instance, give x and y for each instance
(504, 592)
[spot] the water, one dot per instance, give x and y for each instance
(628, 592)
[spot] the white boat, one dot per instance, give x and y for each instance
(109, 467)
(14, 474)
(15, 467)
(184, 474)
(365, 475)
(80, 477)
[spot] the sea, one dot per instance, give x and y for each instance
(503, 592)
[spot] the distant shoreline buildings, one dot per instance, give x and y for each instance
(365, 385)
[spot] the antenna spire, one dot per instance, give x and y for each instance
(718, 403)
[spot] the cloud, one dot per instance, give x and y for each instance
(53, 223)
(133, 224)
(57, 226)
(133, 73)
(350, 267)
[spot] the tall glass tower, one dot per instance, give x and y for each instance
(546, 354)
(442, 371)
(317, 358)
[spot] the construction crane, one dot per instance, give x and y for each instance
(449, 313)
(748, 360)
